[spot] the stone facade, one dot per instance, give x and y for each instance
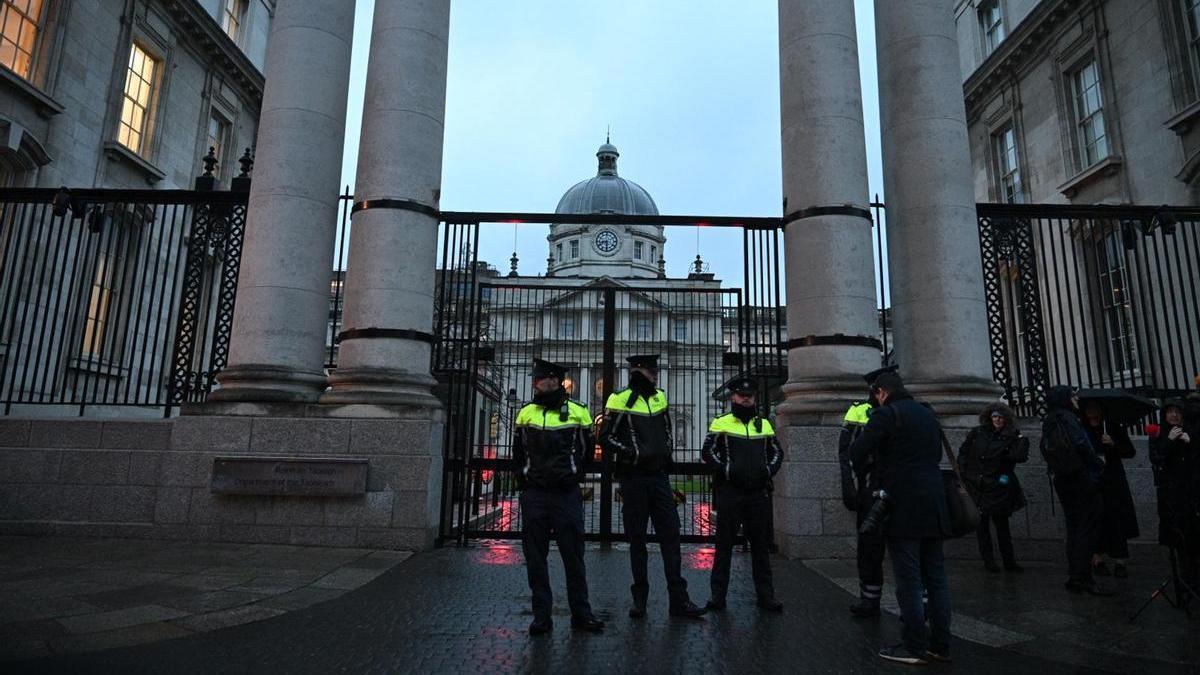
(60, 114)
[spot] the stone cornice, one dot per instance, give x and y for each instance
(1023, 46)
(212, 42)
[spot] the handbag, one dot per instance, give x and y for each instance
(964, 514)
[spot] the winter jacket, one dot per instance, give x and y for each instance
(1064, 444)
(637, 435)
(744, 455)
(550, 445)
(905, 439)
(1119, 522)
(988, 459)
(858, 480)
(1177, 476)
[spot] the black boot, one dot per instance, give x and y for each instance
(540, 627)
(770, 604)
(638, 610)
(687, 610)
(865, 608)
(587, 623)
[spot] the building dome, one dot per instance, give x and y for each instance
(607, 192)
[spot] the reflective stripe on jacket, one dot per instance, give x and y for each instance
(548, 449)
(637, 435)
(742, 454)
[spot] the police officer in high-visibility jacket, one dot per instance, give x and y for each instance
(859, 483)
(743, 453)
(552, 435)
(636, 434)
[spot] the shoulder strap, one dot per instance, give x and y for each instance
(949, 453)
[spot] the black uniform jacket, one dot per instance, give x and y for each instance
(742, 454)
(550, 445)
(637, 435)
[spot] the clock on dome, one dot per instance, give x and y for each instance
(606, 242)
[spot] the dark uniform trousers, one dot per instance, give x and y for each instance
(648, 496)
(752, 509)
(871, 549)
(1080, 499)
(546, 513)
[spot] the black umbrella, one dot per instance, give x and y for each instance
(1119, 406)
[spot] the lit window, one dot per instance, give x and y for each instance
(132, 131)
(574, 248)
(19, 24)
(100, 299)
(233, 15)
(637, 250)
(1008, 168)
(1089, 114)
(991, 22)
(1114, 299)
(218, 136)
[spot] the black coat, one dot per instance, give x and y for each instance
(1177, 475)
(1120, 517)
(983, 458)
(905, 438)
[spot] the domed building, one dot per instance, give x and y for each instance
(627, 251)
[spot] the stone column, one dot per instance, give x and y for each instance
(278, 343)
(830, 275)
(386, 342)
(938, 306)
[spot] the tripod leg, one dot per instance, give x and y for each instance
(1157, 592)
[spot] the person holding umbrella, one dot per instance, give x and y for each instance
(1104, 414)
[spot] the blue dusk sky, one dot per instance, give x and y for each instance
(689, 88)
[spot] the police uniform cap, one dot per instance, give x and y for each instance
(647, 361)
(874, 374)
(741, 385)
(542, 368)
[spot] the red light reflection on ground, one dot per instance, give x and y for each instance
(699, 558)
(501, 554)
(702, 519)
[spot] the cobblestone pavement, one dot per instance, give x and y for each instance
(466, 610)
(64, 596)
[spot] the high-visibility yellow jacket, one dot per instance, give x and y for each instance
(549, 445)
(743, 454)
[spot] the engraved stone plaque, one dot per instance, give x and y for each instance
(285, 476)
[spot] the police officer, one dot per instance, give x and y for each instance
(744, 455)
(858, 483)
(551, 436)
(636, 434)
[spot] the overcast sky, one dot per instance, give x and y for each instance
(690, 89)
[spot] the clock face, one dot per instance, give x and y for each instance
(606, 242)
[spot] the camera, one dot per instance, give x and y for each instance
(880, 509)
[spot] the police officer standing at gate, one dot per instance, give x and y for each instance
(859, 483)
(636, 434)
(551, 436)
(744, 455)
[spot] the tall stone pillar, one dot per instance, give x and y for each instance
(386, 340)
(278, 343)
(940, 316)
(830, 279)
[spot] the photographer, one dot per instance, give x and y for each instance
(1175, 456)
(904, 436)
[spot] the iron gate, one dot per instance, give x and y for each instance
(490, 328)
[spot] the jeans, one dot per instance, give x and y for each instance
(919, 567)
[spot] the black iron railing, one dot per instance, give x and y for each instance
(1091, 296)
(116, 297)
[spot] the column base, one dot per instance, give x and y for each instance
(958, 401)
(380, 387)
(819, 401)
(268, 383)
(810, 519)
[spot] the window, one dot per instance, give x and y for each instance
(1114, 301)
(218, 138)
(637, 250)
(1008, 168)
(643, 329)
(233, 16)
(20, 21)
(680, 330)
(1191, 11)
(991, 23)
(531, 327)
(653, 254)
(100, 299)
(558, 251)
(574, 248)
(566, 326)
(1089, 114)
(134, 127)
